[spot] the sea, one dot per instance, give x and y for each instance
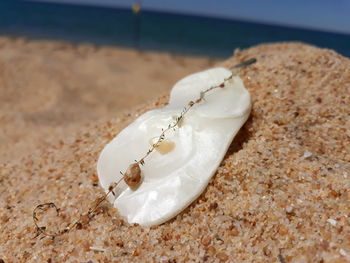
(156, 31)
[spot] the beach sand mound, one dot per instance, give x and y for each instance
(281, 193)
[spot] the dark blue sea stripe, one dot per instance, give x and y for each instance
(182, 34)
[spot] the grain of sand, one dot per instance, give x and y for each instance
(281, 193)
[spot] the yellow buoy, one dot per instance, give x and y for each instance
(136, 8)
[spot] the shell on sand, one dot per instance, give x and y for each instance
(174, 180)
(266, 201)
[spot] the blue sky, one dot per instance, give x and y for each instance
(328, 15)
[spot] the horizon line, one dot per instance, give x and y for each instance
(211, 16)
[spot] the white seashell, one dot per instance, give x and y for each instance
(175, 177)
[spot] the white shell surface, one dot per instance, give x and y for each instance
(172, 181)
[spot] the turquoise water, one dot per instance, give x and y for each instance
(151, 30)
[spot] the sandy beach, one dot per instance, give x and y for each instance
(48, 89)
(281, 193)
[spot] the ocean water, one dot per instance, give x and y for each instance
(181, 34)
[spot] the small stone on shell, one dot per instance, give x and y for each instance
(132, 176)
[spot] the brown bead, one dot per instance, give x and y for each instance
(191, 103)
(132, 176)
(84, 219)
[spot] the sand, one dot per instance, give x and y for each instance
(281, 193)
(51, 89)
